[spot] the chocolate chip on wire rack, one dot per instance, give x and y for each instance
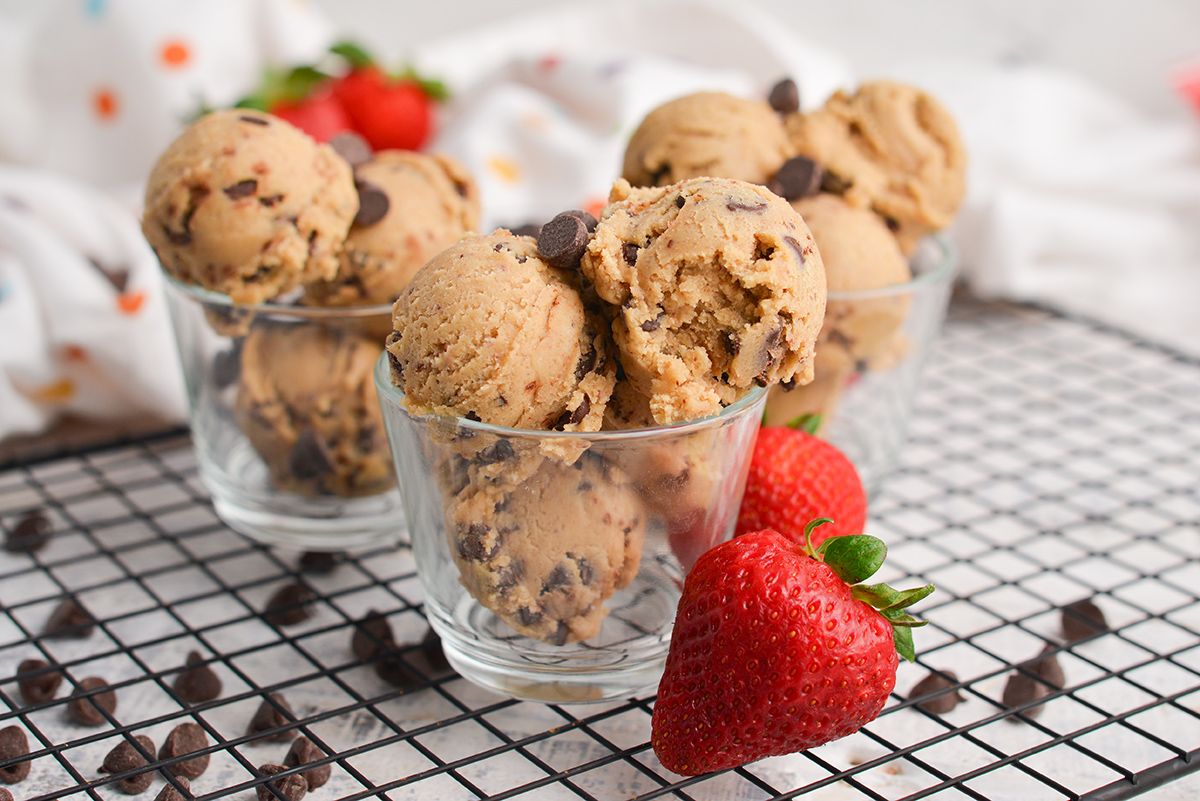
(198, 682)
(304, 752)
(934, 693)
(1032, 681)
(88, 701)
(13, 745)
(69, 620)
(272, 713)
(321, 563)
(292, 787)
(30, 534)
(371, 635)
(37, 681)
(1083, 620)
(562, 241)
(291, 604)
(186, 738)
(171, 793)
(125, 756)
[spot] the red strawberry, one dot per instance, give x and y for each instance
(320, 116)
(390, 114)
(796, 477)
(774, 652)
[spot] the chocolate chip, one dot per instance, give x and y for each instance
(629, 252)
(352, 147)
(69, 620)
(528, 229)
(310, 457)
(291, 604)
(85, 709)
(784, 96)
(527, 616)
(1082, 620)
(680, 201)
(272, 713)
(392, 669)
(126, 757)
(227, 365)
(1032, 681)
(795, 245)
(184, 739)
(799, 177)
(499, 451)
(321, 563)
(292, 787)
(37, 681)
(474, 543)
(586, 572)
(934, 694)
(581, 411)
(198, 683)
(13, 744)
(254, 120)
(30, 534)
(589, 220)
(562, 241)
(731, 342)
(304, 752)
(561, 633)
(373, 204)
(241, 189)
(587, 362)
(652, 325)
(560, 578)
(752, 208)
(170, 792)
(372, 634)
(835, 184)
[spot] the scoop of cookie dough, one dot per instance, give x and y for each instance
(306, 401)
(414, 205)
(546, 554)
(891, 148)
(703, 134)
(245, 204)
(860, 253)
(488, 331)
(716, 287)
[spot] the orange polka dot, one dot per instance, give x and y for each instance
(104, 102)
(58, 392)
(175, 53)
(505, 169)
(74, 353)
(595, 206)
(131, 302)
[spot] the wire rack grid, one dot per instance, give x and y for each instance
(1050, 460)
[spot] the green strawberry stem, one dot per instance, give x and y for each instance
(856, 558)
(355, 55)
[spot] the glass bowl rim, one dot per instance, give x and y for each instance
(392, 395)
(945, 258)
(213, 298)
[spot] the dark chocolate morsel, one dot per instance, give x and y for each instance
(254, 120)
(796, 247)
(198, 682)
(1082, 620)
(13, 745)
(784, 96)
(272, 713)
(528, 229)
(85, 709)
(30, 534)
(186, 738)
(372, 634)
(1032, 681)
(834, 184)
(292, 787)
(799, 177)
(934, 693)
(170, 792)
(589, 220)
(352, 147)
(69, 620)
(391, 668)
(241, 189)
(322, 563)
(310, 457)
(304, 752)
(562, 241)
(37, 681)
(629, 252)
(126, 757)
(373, 204)
(291, 604)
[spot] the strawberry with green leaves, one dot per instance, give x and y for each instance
(795, 477)
(778, 648)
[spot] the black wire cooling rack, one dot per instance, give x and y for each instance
(1050, 460)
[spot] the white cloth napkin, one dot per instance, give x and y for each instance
(1075, 199)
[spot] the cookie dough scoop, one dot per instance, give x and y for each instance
(246, 204)
(716, 287)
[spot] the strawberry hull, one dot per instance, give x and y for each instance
(770, 655)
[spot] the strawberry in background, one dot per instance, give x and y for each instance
(353, 93)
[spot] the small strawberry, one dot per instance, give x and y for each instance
(390, 113)
(796, 477)
(774, 651)
(320, 115)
